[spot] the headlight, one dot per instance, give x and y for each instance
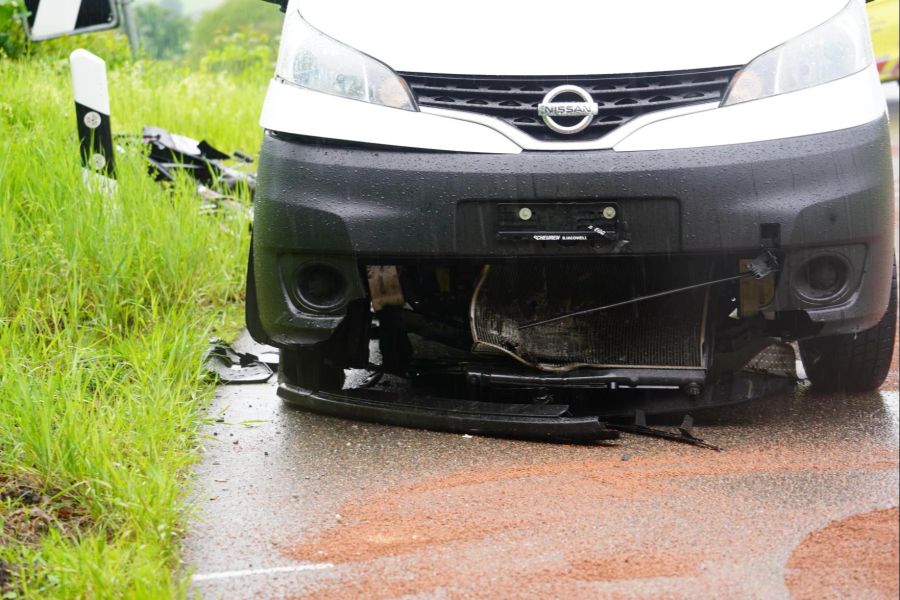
(836, 48)
(311, 59)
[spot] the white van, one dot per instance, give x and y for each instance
(578, 202)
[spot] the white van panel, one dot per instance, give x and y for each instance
(292, 109)
(508, 37)
(848, 102)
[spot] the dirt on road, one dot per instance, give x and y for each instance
(567, 505)
(853, 558)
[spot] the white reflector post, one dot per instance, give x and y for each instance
(92, 112)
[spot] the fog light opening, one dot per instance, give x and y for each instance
(321, 286)
(822, 278)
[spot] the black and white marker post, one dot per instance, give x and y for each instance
(92, 111)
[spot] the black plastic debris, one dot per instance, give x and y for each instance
(228, 366)
(218, 175)
(685, 433)
(171, 153)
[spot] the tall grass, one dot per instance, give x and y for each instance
(106, 303)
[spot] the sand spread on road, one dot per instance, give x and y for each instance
(436, 527)
(853, 558)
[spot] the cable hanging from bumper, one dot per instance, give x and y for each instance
(759, 267)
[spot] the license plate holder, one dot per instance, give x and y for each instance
(562, 222)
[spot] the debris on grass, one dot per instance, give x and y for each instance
(103, 318)
(220, 177)
(171, 153)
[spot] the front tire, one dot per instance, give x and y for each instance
(853, 362)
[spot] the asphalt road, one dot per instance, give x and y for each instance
(293, 505)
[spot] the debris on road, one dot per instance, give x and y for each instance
(217, 181)
(230, 367)
(685, 433)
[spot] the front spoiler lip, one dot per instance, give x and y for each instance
(543, 422)
(549, 423)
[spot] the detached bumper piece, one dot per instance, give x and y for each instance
(685, 433)
(548, 422)
(170, 153)
(227, 366)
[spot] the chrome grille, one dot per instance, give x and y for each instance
(620, 97)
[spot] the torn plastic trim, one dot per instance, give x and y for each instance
(685, 434)
(228, 366)
(526, 421)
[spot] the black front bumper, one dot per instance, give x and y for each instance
(550, 422)
(346, 205)
(545, 422)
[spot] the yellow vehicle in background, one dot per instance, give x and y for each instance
(884, 16)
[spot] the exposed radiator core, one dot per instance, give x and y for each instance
(666, 332)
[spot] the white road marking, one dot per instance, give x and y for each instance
(248, 572)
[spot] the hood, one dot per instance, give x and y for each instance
(502, 37)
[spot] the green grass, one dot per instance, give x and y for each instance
(106, 304)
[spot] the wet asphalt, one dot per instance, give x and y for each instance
(290, 504)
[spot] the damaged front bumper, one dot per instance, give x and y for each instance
(551, 419)
(338, 207)
(549, 422)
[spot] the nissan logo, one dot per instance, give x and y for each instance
(548, 109)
